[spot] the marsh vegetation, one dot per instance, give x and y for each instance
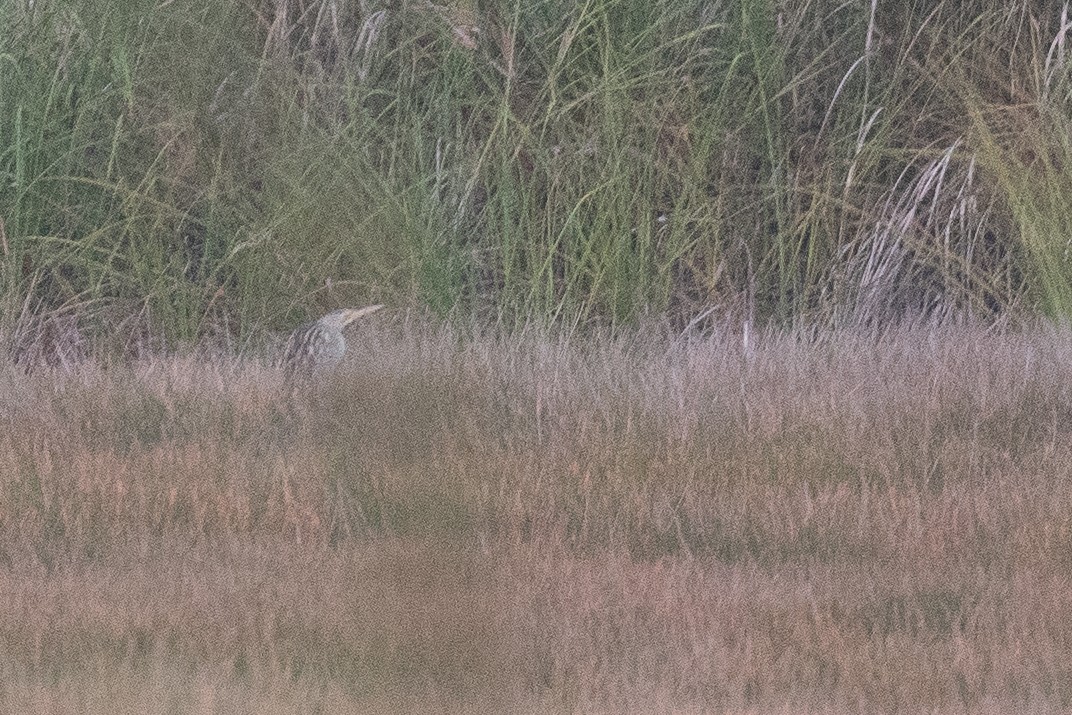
(467, 524)
(191, 170)
(722, 369)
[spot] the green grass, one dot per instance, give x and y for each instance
(664, 440)
(190, 170)
(636, 523)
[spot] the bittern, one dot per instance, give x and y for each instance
(321, 343)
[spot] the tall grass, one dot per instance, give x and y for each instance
(649, 525)
(190, 169)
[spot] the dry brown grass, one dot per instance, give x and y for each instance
(535, 525)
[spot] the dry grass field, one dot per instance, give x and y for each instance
(486, 524)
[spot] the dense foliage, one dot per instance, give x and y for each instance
(189, 168)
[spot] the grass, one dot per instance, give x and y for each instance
(190, 170)
(849, 523)
(535, 501)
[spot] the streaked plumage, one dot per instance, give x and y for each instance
(321, 343)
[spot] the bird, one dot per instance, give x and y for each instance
(321, 344)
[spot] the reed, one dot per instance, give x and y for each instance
(189, 170)
(854, 523)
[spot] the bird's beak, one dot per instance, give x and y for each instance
(352, 315)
